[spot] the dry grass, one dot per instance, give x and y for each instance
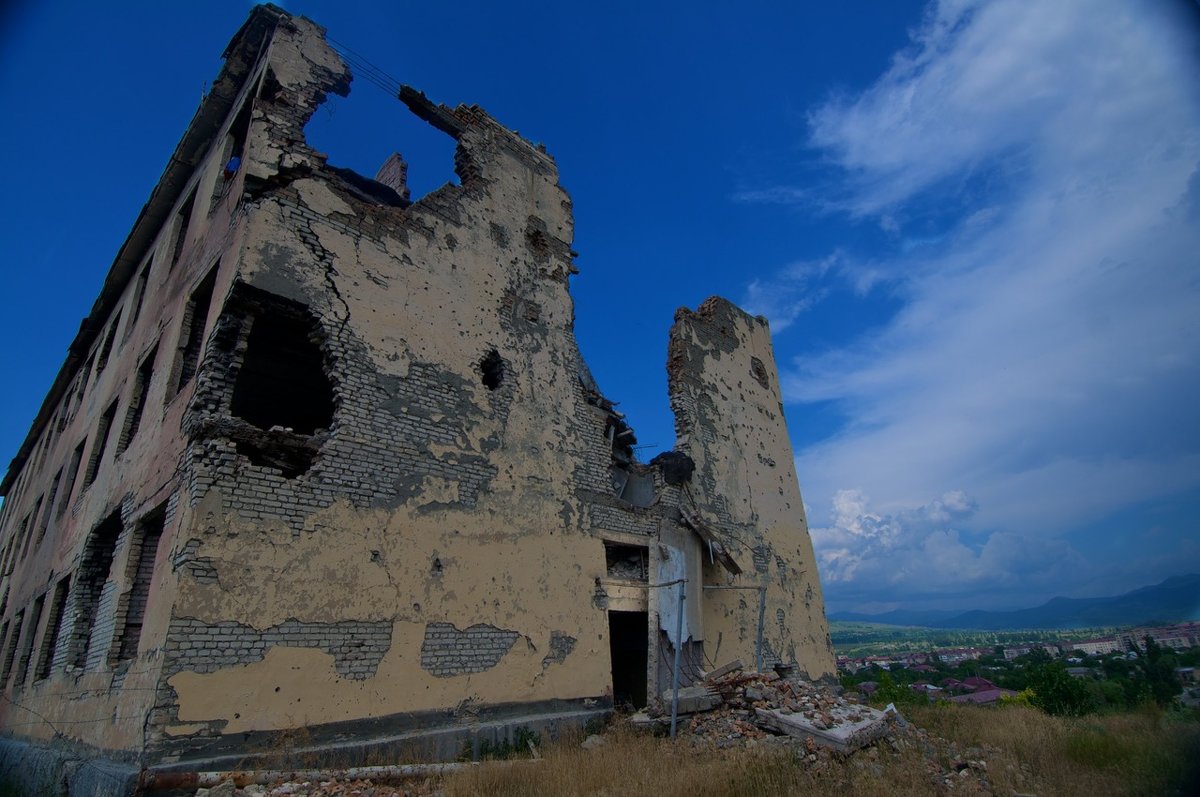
(1139, 753)
(1023, 750)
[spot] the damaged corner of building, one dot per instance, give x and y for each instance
(334, 482)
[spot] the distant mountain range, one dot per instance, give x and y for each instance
(1174, 600)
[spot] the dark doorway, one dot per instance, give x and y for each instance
(628, 639)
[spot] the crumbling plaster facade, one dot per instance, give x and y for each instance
(345, 468)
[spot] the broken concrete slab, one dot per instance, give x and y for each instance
(851, 730)
(725, 669)
(693, 699)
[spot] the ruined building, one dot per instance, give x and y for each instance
(325, 457)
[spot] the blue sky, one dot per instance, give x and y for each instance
(972, 225)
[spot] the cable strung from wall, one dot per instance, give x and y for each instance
(367, 70)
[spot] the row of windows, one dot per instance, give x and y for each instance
(51, 503)
(37, 643)
(227, 153)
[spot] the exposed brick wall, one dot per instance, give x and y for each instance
(446, 651)
(357, 647)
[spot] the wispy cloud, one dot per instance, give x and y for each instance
(1047, 356)
(792, 291)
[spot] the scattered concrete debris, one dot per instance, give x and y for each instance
(324, 788)
(756, 704)
(731, 707)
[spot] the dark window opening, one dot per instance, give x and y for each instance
(102, 434)
(282, 380)
(139, 296)
(191, 335)
(82, 384)
(6, 562)
(137, 401)
(232, 154)
(107, 347)
(72, 475)
(54, 624)
(10, 651)
(33, 523)
(25, 661)
(50, 496)
(20, 537)
(492, 368)
(182, 222)
(150, 532)
(627, 562)
(629, 645)
(270, 88)
(94, 572)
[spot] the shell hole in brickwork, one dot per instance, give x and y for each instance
(282, 381)
(492, 369)
(282, 394)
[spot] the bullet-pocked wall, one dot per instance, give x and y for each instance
(384, 492)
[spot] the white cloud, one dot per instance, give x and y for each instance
(790, 292)
(1047, 356)
(866, 556)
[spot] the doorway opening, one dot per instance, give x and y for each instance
(629, 643)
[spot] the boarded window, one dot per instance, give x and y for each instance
(182, 220)
(29, 534)
(10, 650)
(149, 534)
(50, 496)
(139, 296)
(191, 334)
(94, 572)
(72, 475)
(54, 624)
(137, 401)
(19, 537)
(107, 347)
(23, 663)
(102, 434)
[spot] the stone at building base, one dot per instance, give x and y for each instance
(33, 770)
(693, 699)
(416, 736)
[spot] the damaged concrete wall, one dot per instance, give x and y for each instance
(385, 490)
(725, 393)
(438, 505)
(101, 460)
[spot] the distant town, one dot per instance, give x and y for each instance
(1118, 666)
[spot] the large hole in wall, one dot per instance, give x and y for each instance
(360, 134)
(282, 396)
(282, 381)
(491, 369)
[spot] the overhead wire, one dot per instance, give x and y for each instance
(366, 69)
